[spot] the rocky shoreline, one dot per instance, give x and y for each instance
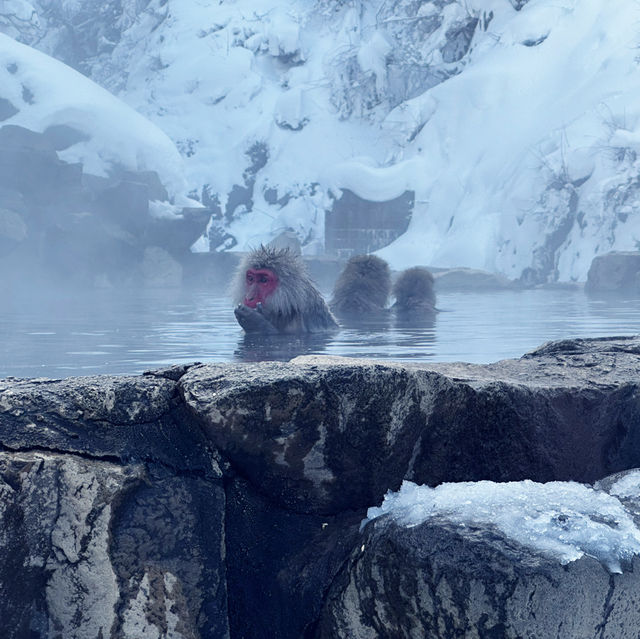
(227, 500)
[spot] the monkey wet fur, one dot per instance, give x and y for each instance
(274, 294)
(363, 287)
(414, 292)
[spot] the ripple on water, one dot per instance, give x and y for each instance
(133, 331)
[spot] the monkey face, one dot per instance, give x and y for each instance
(260, 283)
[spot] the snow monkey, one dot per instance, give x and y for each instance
(274, 294)
(414, 292)
(363, 287)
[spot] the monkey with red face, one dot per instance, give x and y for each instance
(273, 294)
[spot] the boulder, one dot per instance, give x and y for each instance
(112, 512)
(226, 500)
(16, 137)
(618, 271)
(338, 433)
(443, 579)
(36, 173)
(151, 179)
(177, 233)
(79, 228)
(331, 437)
(125, 203)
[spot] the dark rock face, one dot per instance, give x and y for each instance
(325, 445)
(112, 512)
(441, 580)
(332, 434)
(283, 563)
(70, 227)
(226, 500)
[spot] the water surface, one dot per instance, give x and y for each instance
(104, 331)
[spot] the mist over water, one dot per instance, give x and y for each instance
(61, 334)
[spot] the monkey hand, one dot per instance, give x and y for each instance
(253, 320)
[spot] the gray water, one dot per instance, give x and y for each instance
(64, 334)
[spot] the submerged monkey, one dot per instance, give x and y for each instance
(274, 294)
(414, 293)
(363, 288)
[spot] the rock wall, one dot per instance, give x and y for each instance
(226, 500)
(67, 226)
(615, 272)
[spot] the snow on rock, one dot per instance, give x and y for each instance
(522, 117)
(530, 116)
(372, 57)
(19, 17)
(377, 184)
(628, 486)
(565, 520)
(47, 93)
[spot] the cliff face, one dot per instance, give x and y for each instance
(113, 512)
(227, 500)
(506, 130)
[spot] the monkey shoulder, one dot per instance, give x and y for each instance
(320, 318)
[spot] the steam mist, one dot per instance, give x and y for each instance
(144, 147)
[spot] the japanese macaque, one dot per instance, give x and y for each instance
(363, 288)
(274, 294)
(414, 293)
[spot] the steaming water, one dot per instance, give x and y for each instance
(59, 335)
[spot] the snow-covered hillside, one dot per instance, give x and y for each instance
(515, 123)
(39, 92)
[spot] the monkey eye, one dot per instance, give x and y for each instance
(263, 279)
(249, 277)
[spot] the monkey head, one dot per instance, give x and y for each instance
(260, 283)
(414, 290)
(363, 286)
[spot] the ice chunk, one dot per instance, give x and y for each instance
(565, 520)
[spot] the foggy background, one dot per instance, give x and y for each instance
(145, 144)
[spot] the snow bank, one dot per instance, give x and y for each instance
(535, 109)
(564, 520)
(515, 146)
(377, 184)
(480, 149)
(47, 93)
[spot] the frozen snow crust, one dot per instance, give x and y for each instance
(564, 520)
(516, 123)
